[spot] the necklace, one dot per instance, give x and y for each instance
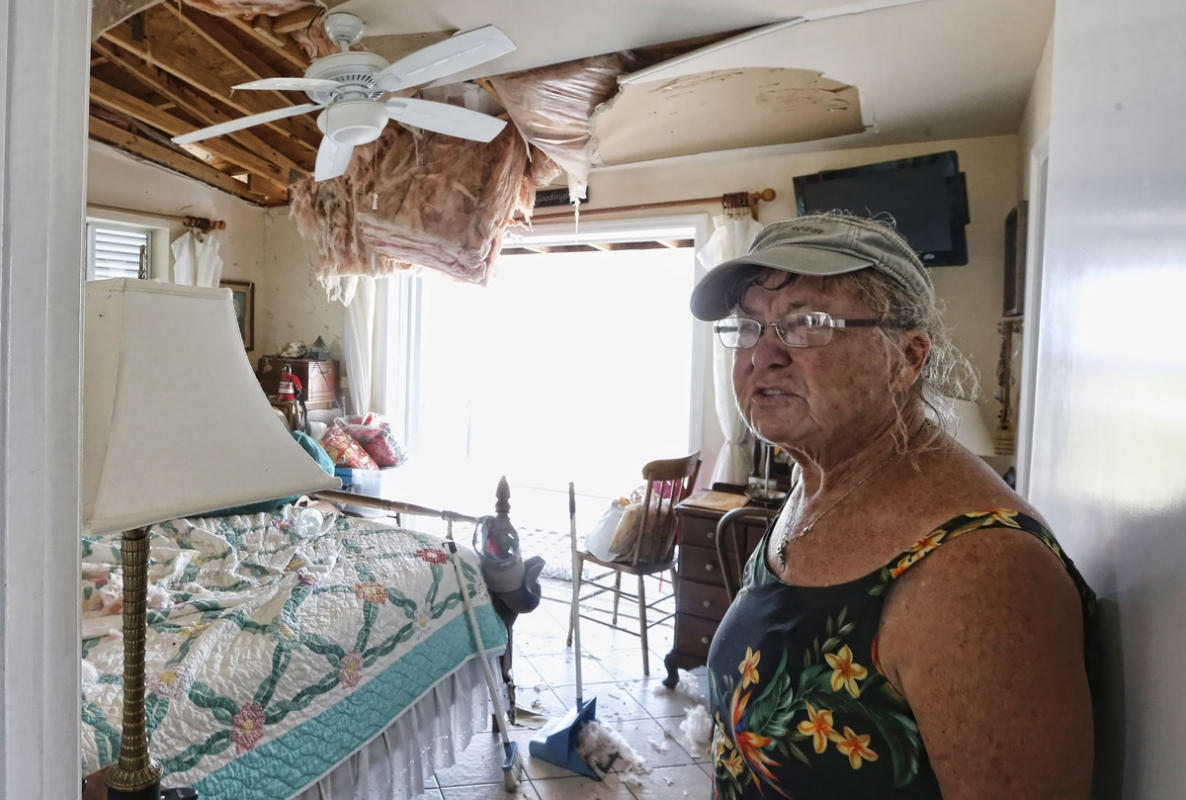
(787, 536)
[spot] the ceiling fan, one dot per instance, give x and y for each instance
(345, 87)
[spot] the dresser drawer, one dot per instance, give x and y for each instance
(702, 600)
(699, 564)
(693, 635)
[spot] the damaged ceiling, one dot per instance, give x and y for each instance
(833, 74)
(640, 83)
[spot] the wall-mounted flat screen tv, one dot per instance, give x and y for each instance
(926, 195)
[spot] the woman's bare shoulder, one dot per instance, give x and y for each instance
(984, 631)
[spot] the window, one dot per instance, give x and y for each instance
(577, 364)
(117, 251)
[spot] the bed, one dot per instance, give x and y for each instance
(291, 659)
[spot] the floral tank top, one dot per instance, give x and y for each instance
(801, 708)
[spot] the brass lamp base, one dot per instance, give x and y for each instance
(150, 792)
(137, 775)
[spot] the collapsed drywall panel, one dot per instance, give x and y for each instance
(722, 110)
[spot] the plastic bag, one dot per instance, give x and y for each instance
(599, 539)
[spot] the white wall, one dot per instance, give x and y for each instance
(973, 293)
(259, 245)
(1035, 121)
(290, 303)
(1110, 432)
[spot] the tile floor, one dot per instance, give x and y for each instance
(640, 708)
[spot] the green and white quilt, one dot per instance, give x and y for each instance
(273, 656)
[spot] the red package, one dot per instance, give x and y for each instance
(379, 444)
(344, 450)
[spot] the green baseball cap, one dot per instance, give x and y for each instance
(819, 245)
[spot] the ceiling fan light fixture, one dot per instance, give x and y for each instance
(353, 122)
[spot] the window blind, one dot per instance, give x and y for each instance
(118, 251)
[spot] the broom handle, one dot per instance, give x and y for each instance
(576, 589)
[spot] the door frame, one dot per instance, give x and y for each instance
(45, 48)
(1039, 163)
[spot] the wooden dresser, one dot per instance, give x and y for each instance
(700, 596)
(320, 378)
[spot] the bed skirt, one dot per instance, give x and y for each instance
(428, 736)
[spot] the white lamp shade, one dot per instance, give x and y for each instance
(175, 423)
(971, 431)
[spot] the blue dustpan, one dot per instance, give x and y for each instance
(556, 742)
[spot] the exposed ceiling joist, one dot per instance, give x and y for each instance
(276, 186)
(283, 46)
(295, 20)
(167, 157)
(197, 106)
(213, 31)
(202, 79)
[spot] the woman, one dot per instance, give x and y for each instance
(908, 626)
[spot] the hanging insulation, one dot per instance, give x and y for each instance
(429, 200)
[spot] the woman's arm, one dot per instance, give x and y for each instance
(984, 637)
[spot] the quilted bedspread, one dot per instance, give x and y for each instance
(272, 655)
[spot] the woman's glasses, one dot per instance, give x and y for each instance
(810, 329)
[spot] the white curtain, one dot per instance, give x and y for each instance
(365, 353)
(732, 233)
(196, 260)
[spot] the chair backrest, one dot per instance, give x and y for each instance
(668, 482)
(730, 541)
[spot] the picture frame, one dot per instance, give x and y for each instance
(1015, 255)
(243, 299)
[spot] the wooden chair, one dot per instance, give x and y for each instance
(732, 550)
(653, 551)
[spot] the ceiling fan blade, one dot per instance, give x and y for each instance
(244, 122)
(455, 54)
(444, 118)
(287, 84)
(332, 159)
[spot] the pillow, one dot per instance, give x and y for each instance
(379, 444)
(315, 451)
(342, 448)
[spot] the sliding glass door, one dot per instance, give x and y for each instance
(568, 366)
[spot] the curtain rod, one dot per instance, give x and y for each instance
(201, 223)
(731, 200)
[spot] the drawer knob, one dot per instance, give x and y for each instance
(708, 567)
(708, 604)
(703, 640)
(709, 534)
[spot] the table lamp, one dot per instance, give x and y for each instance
(175, 424)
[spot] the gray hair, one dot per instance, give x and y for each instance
(947, 373)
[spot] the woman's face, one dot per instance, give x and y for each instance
(812, 398)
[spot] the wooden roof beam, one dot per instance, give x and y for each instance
(284, 46)
(198, 106)
(159, 54)
(275, 179)
(171, 159)
(296, 20)
(214, 33)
